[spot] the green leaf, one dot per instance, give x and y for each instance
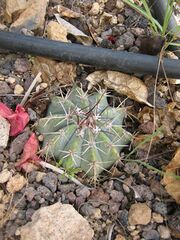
(167, 17)
(153, 22)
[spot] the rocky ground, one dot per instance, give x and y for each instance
(128, 203)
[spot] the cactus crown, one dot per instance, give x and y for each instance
(83, 131)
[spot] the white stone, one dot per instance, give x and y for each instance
(43, 85)
(10, 80)
(119, 4)
(40, 176)
(5, 175)
(18, 89)
(4, 132)
(176, 96)
(95, 9)
(57, 222)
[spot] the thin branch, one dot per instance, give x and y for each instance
(30, 88)
(60, 171)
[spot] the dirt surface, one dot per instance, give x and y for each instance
(113, 206)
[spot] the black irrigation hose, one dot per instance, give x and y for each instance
(100, 57)
(159, 9)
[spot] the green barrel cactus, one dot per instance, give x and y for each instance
(83, 131)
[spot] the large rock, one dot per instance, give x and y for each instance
(32, 17)
(57, 222)
(139, 213)
(14, 6)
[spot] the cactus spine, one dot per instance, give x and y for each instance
(83, 131)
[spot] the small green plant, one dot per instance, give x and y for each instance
(157, 29)
(83, 131)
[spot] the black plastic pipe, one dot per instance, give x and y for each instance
(100, 57)
(159, 9)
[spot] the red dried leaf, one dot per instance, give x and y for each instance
(29, 156)
(17, 119)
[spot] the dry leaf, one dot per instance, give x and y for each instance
(29, 157)
(79, 35)
(66, 12)
(172, 184)
(56, 31)
(122, 83)
(51, 70)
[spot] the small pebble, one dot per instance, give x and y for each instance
(4, 88)
(1, 195)
(50, 180)
(119, 4)
(135, 233)
(157, 217)
(131, 168)
(120, 18)
(120, 237)
(83, 192)
(126, 188)
(2, 209)
(144, 192)
(5, 175)
(22, 65)
(131, 228)
(39, 176)
(151, 235)
(123, 217)
(116, 196)
(10, 80)
(139, 213)
(44, 192)
(2, 77)
(41, 86)
(176, 96)
(40, 138)
(71, 197)
(95, 9)
(164, 232)
(160, 207)
(113, 207)
(18, 89)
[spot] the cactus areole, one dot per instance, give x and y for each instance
(83, 131)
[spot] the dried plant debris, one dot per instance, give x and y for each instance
(51, 70)
(171, 178)
(122, 83)
(79, 35)
(66, 12)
